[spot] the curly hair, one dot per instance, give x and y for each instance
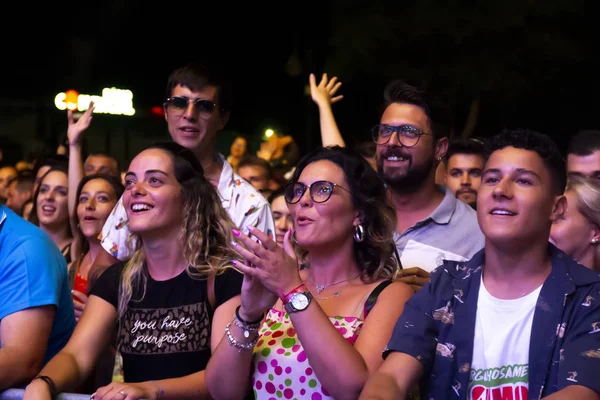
(206, 230)
(375, 255)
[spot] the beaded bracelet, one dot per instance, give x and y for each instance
(246, 329)
(238, 345)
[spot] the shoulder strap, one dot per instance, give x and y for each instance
(372, 299)
(212, 298)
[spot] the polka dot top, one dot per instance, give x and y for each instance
(280, 367)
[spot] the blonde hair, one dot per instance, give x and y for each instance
(587, 191)
(206, 232)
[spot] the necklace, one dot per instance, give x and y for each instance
(320, 288)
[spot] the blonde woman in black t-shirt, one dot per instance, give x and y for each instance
(171, 302)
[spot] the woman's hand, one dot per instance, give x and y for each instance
(256, 298)
(127, 391)
(75, 128)
(79, 302)
(323, 94)
(272, 265)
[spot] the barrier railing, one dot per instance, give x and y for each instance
(17, 394)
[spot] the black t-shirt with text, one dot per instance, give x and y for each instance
(166, 332)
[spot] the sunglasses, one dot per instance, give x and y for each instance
(408, 135)
(178, 105)
(319, 191)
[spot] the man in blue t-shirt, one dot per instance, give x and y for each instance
(36, 309)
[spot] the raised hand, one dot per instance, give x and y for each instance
(324, 93)
(75, 128)
(276, 270)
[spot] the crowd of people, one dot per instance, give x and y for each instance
(412, 265)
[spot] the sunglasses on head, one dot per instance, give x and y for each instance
(179, 104)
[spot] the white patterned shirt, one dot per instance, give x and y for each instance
(245, 205)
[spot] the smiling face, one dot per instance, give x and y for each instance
(95, 202)
(153, 196)
(404, 168)
(51, 207)
(516, 203)
(322, 225)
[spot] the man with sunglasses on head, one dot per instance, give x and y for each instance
(197, 107)
(432, 225)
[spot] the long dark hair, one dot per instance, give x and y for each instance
(33, 217)
(118, 190)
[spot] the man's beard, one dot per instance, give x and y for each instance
(415, 177)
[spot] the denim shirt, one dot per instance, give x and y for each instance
(565, 336)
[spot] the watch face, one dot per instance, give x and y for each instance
(299, 301)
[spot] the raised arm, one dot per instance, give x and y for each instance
(324, 96)
(74, 131)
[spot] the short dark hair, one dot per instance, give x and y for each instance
(438, 114)
(465, 146)
(539, 143)
(117, 164)
(196, 76)
(24, 181)
(584, 143)
(253, 161)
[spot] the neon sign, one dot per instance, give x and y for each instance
(113, 101)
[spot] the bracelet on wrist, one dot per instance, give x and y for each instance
(239, 345)
(285, 298)
(248, 323)
(50, 383)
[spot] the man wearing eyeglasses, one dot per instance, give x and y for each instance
(197, 106)
(432, 225)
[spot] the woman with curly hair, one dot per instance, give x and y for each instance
(171, 301)
(327, 324)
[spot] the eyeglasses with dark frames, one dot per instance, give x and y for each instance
(408, 135)
(319, 191)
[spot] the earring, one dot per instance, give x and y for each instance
(359, 233)
(595, 240)
(294, 238)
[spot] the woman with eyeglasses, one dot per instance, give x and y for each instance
(169, 303)
(317, 332)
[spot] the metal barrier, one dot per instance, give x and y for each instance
(17, 394)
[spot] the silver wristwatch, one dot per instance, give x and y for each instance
(298, 302)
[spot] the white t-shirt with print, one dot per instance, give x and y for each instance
(245, 205)
(500, 366)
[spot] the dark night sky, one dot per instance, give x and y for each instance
(136, 45)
